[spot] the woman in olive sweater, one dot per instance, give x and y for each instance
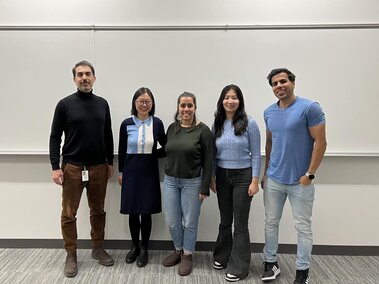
(188, 172)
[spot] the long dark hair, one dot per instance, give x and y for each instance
(240, 120)
(176, 115)
(140, 92)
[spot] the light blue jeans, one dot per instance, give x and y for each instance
(301, 199)
(182, 205)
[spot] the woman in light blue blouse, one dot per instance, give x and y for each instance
(238, 163)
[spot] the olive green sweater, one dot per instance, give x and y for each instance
(190, 154)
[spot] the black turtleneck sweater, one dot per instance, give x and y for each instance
(85, 120)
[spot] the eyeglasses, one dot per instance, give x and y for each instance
(184, 105)
(141, 103)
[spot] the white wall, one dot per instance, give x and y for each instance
(203, 62)
(345, 212)
(346, 208)
(184, 12)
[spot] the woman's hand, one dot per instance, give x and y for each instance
(213, 184)
(202, 196)
(253, 187)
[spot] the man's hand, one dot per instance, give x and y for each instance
(57, 176)
(263, 182)
(304, 180)
(110, 171)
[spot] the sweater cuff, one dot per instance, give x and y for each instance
(204, 190)
(55, 167)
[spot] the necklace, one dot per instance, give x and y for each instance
(185, 125)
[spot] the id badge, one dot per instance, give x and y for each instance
(85, 175)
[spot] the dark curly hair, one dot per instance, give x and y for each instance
(276, 71)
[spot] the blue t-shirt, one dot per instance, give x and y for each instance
(292, 144)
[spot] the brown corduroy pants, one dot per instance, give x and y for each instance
(72, 189)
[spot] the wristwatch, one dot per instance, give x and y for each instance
(309, 175)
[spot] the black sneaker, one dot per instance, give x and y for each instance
(301, 277)
(271, 271)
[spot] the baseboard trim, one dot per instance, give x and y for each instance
(200, 246)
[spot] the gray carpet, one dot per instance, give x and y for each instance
(46, 266)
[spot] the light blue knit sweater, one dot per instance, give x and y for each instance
(238, 152)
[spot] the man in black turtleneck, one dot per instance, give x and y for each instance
(87, 153)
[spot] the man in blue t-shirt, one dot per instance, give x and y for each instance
(295, 146)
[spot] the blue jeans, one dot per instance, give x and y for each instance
(301, 199)
(182, 205)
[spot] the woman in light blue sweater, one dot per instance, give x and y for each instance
(238, 163)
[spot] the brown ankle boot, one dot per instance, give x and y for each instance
(185, 266)
(71, 266)
(102, 256)
(172, 259)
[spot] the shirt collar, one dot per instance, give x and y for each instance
(138, 122)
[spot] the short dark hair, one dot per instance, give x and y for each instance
(276, 71)
(138, 93)
(83, 63)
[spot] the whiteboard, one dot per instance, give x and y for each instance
(336, 67)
